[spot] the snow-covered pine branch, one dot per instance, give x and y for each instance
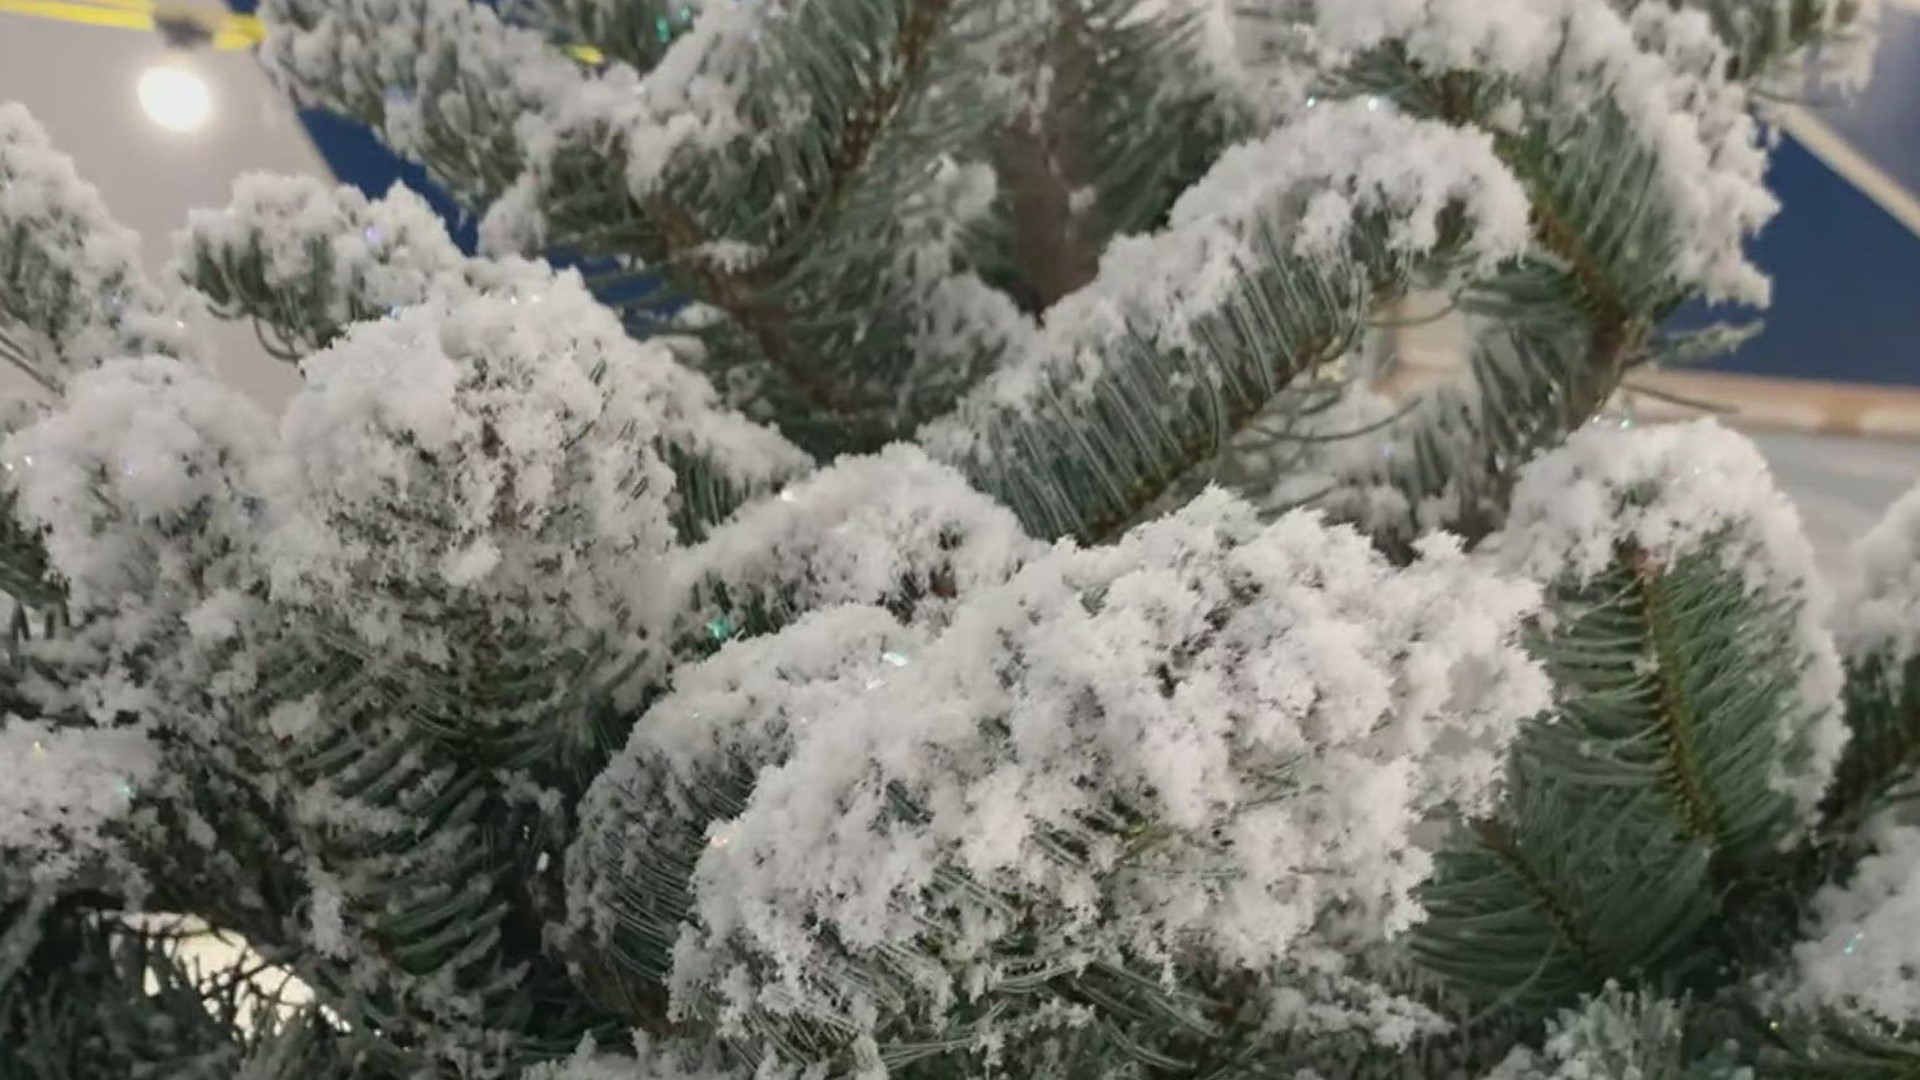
(1124, 757)
(1696, 724)
(145, 484)
(1860, 955)
(1879, 638)
(515, 692)
(1261, 276)
(1663, 67)
(1656, 502)
(75, 293)
(897, 530)
(444, 81)
(62, 792)
(305, 259)
(1880, 611)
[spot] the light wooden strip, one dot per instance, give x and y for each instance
(1771, 404)
(1859, 170)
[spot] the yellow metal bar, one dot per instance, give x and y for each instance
(85, 14)
(124, 5)
(234, 40)
(237, 32)
(230, 32)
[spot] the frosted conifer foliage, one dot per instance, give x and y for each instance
(75, 293)
(896, 528)
(460, 446)
(1880, 607)
(145, 480)
(1861, 955)
(346, 256)
(1662, 68)
(1148, 745)
(926, 591)
(62, 791)
(1663, 496)
(145, 485)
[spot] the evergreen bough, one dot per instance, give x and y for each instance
(929, 591)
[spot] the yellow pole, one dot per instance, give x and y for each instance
(229, 32)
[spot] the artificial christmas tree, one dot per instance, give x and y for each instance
(929, 591)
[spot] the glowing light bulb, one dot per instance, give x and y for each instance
(176, 98)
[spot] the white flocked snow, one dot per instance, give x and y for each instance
(1661, 66)
(650, 1060)
(1313, 180)
(463, 444)
(1276, 697)
(348, 256)
(1673, 490)
(1862, 953)
(1218, 741)
(866, 530)
(81, 295)
(61, 789)
(1880, 615)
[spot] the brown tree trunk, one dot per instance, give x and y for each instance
(1043, 161)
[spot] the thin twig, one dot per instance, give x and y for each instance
(1681, 400)
(16, 355)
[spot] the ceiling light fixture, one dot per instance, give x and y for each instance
(176, 98)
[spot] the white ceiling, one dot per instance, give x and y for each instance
(81, 82)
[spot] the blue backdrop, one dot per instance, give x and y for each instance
(1846, 274)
